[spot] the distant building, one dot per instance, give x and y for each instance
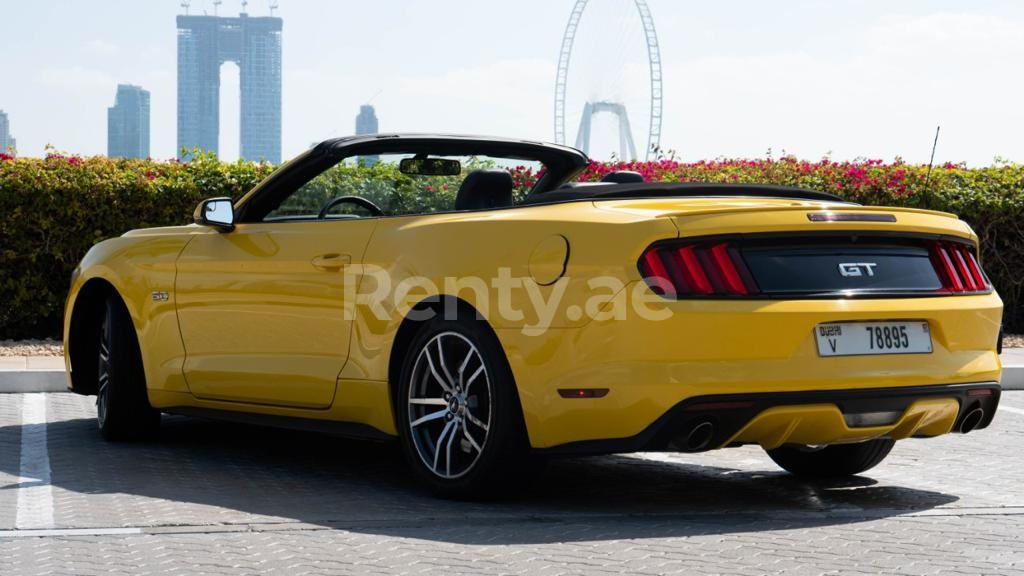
(206, 42)
(366, 123)
(128, 123)
(7, 143)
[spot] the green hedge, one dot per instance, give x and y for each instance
(55, 208)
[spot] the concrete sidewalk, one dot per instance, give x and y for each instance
(46, 373)
(32, 374)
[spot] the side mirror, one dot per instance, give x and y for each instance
(218, 213)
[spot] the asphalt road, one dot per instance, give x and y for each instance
(211, 498)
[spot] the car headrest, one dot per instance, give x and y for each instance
(483, 189)
(623, 177)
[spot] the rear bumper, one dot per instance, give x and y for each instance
(812, 417)
(734, 348)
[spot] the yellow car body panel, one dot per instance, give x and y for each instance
(139, 265)
(256, 299)
(733, 348)
(706, 347)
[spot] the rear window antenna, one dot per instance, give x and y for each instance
(931, 160)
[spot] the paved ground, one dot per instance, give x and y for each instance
(211, 498)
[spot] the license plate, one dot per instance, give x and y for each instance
(871, 338)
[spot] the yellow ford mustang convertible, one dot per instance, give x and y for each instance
(465, 296)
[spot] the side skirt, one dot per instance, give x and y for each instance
(329, 427)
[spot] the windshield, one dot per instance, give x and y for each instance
(381, 180)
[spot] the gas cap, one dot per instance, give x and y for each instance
(548, 259)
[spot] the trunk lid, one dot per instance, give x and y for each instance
(739, 215)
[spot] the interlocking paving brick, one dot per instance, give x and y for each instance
(213, 498)
(10, 457)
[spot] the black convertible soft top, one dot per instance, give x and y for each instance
(561, 165)
(607, 191)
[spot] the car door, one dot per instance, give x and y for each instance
(262, 308)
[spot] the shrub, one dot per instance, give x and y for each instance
(56, 207)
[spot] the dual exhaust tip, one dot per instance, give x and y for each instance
(972, 420)
(697, 438)
(700, 436)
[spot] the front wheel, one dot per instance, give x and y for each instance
(832, 461)
(458, 412)
(122, 406)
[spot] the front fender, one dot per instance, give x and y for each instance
(141, 271)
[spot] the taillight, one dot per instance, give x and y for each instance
(957, 268)
(705, 269)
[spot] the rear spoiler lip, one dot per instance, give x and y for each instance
(809, 209)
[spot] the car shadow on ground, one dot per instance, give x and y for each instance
(248, 474)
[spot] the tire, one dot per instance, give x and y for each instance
(832, 461)
(122, 407)
(458, 413)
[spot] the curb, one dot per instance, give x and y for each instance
(22, 381)
(1013, 378)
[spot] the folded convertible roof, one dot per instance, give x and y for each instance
(602, 191)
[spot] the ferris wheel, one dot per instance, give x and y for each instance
(608, 97)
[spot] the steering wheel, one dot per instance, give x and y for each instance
(372, 208)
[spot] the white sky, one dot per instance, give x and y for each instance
(853, 78)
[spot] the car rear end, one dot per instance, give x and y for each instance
(789, 323)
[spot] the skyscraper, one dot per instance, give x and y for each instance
(366, 121)
(7, 143)
(206, 42)
(128, 123)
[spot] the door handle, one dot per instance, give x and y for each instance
(331, 261)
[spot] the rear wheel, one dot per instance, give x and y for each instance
(122, 406)
(458, 412)
(832, 461)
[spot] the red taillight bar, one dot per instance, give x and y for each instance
(655, 273)
(972, 264)
(723, 258)
(694, 273)
(961, 268)
(697, 270)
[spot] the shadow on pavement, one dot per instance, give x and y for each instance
(268, 475)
